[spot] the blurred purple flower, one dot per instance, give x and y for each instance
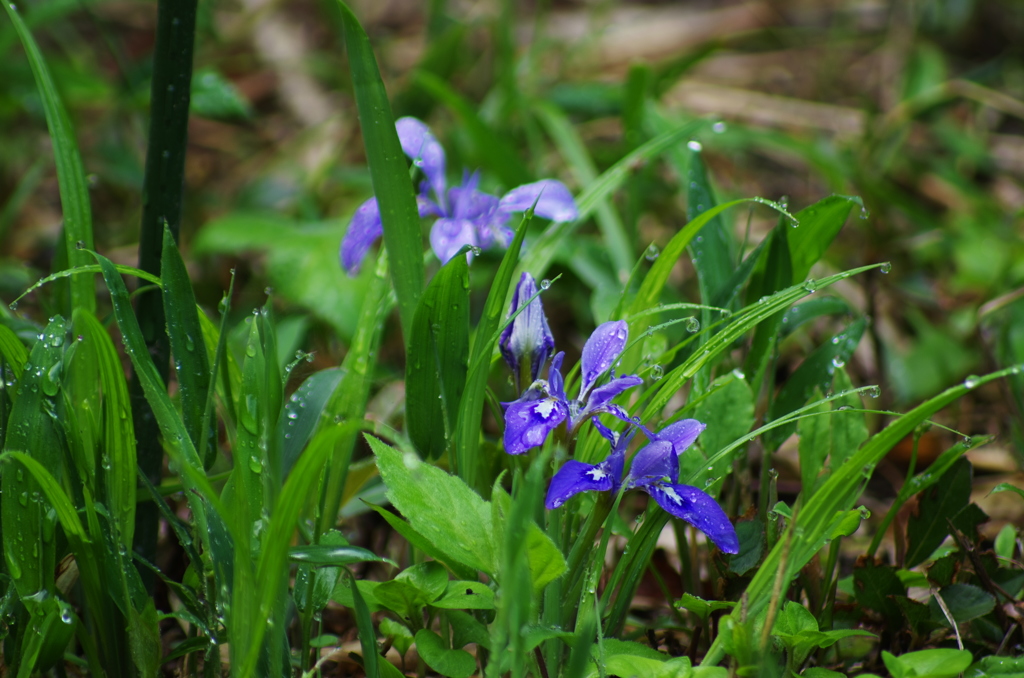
(655, 470)
(466, 215)
(544, 406)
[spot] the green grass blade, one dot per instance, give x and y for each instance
(191, 363)
(543, 251)
(13, 351)
(814, 520)
(30, 559)
(177, 441)
(657, 277)
(117, 455)
(572, 148)
(348, 402)
(388, 170)
(467, 437)
(367, 637)
(272, 568)
(74, 194)
(739, 324)
(819, 225)
(435, 369)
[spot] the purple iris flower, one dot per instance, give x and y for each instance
(544, 405)
(655, 470)
(528, 337)
(466, 215)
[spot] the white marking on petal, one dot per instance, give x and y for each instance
(597, 474)
(544, 408)
(671, 493)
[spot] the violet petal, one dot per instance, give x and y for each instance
(528, 422)
(554, 201)
(601, 395)
(364, 229)
(556, 384)
(601, 351)
(681, 434)
(654, 462)
(575, 477)
(425, 152)
(448, 236)
(697, 508)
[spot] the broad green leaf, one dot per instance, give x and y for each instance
(32, 431)
(301, 258)
(947, 501)
(13, 351)
(303, 411)
(333, 555)
(74, 194)
(700, 607)
(191, 364)
(437, 359)
(937, 663)
(466, 595)
(215, 97)
(1010, 667)
(546, 561)
(964, 601)
(389, 172)
(811, 309)
(420, 542)
(463, 531)
(451, 663)
(818, 226)
(430, 577)
(815, 372)
(712, 250)
(728, 412)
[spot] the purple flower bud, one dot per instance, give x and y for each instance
(528, 337)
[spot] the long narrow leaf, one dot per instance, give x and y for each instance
(388, 170)
(74, 194)
(815, 519)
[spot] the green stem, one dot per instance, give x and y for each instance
(163, 186)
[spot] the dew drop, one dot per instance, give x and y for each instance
(811, 286)
(885, 268)
(719, 127)
(838, 362)
(657, 372)
(255, 465)
(694, 146)
(652, 252)
(738, 373)
(692, 324)
(545, 284)
(972, 381)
